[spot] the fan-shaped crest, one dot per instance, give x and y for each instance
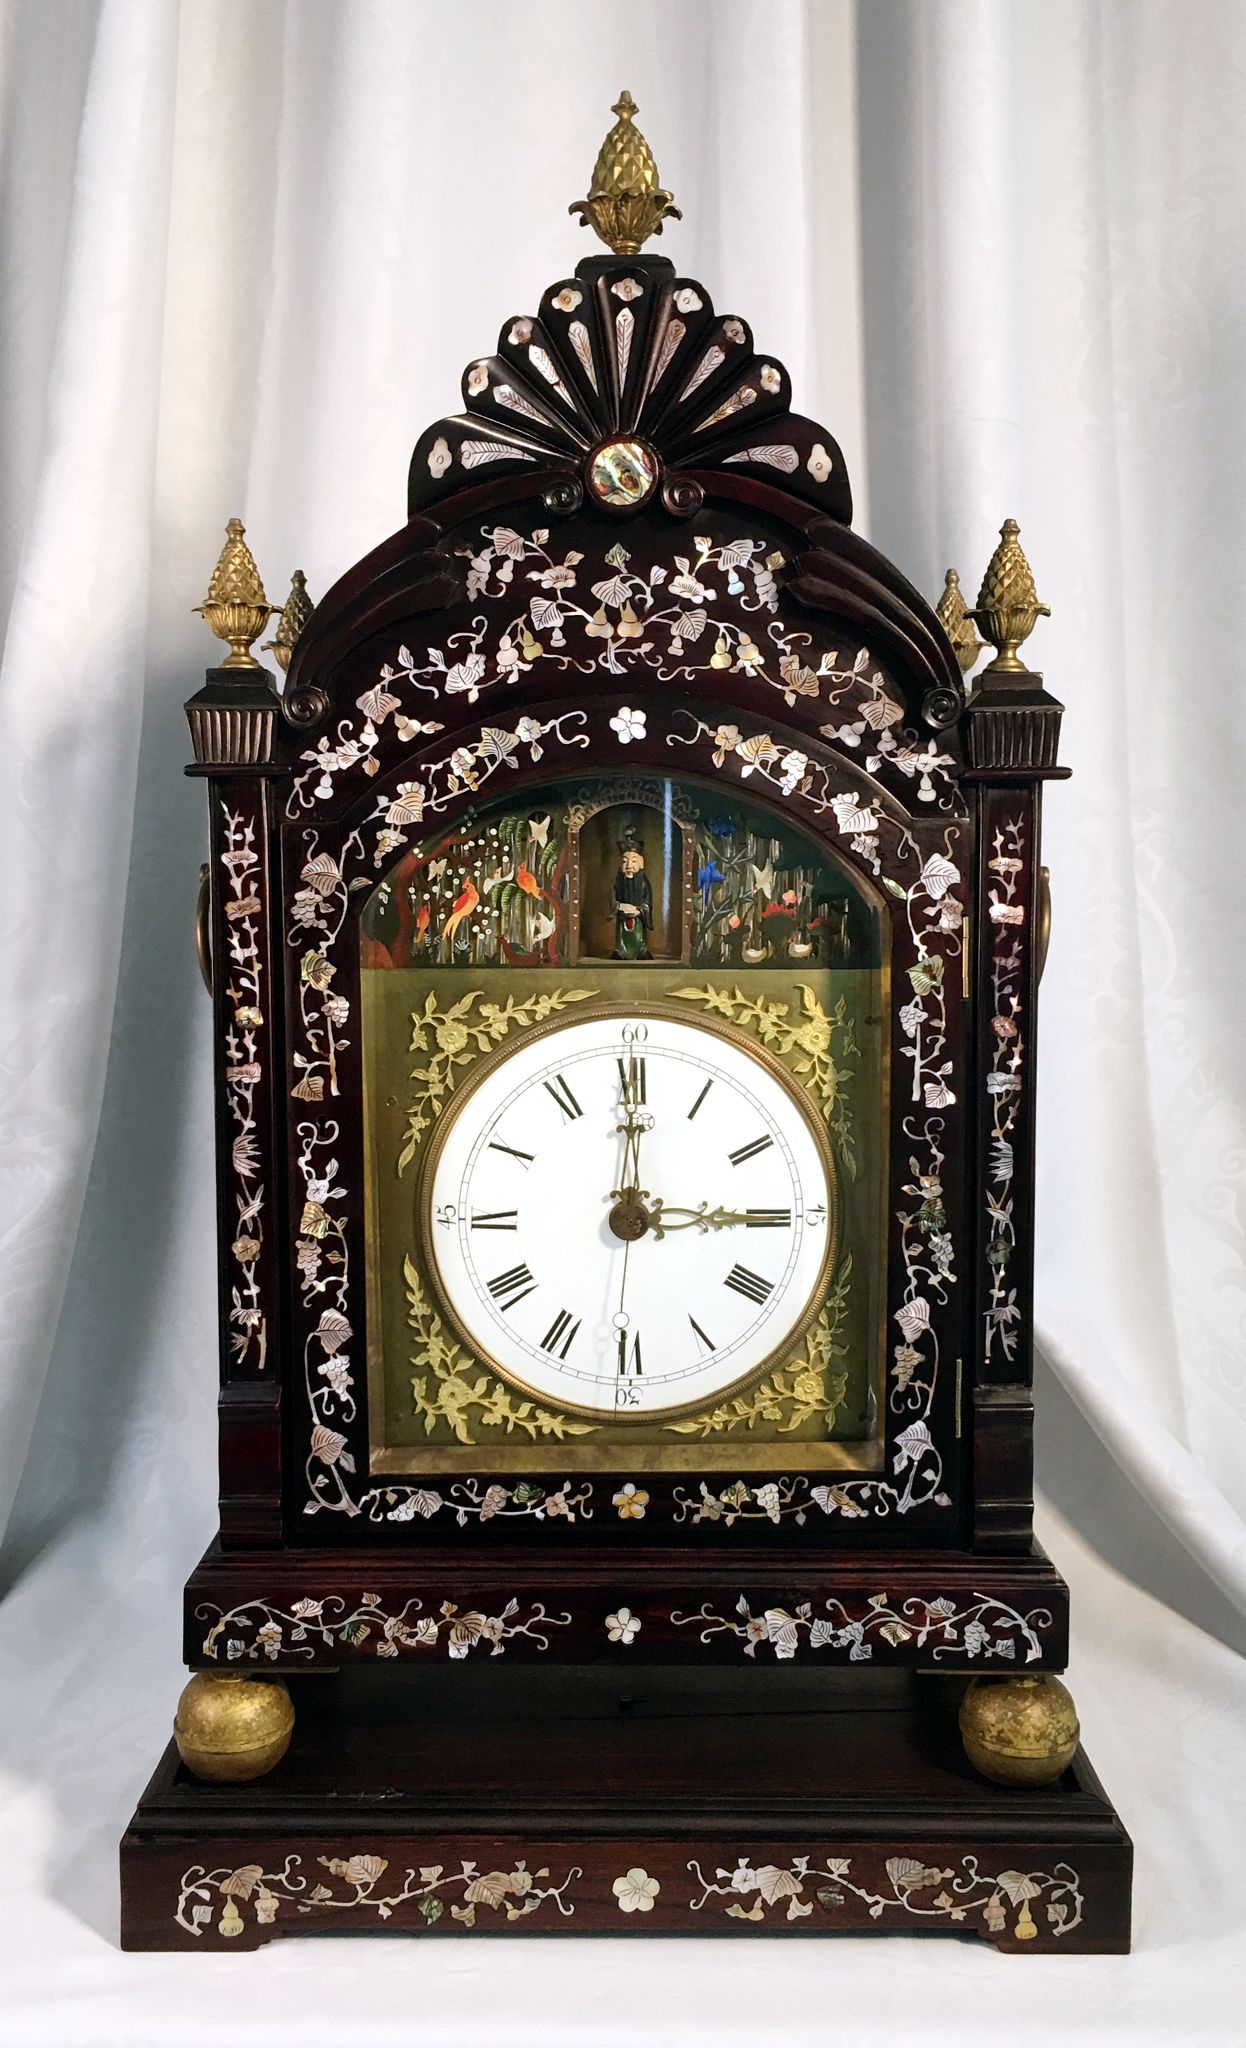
(627, 350)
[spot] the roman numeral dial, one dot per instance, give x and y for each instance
(636, 1213)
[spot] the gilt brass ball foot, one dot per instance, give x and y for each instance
(1019, 1731)
(231, 1727)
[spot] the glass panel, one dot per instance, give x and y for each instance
(630, 942)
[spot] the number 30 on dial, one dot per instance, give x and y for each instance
(629, 1213)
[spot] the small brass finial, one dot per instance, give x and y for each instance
(954, 617)
(1008, 605)
(298, 610)
(625, 203)
(236, 607)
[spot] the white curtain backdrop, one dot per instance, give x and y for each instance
(246, 247)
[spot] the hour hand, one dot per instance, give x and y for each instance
(702, 1218)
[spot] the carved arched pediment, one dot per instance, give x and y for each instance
(626, 351)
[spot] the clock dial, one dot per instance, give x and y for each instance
(630, 1212)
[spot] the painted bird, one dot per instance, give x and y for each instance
(707, 876)
(464, 904)
(528, 883)
(421, 924)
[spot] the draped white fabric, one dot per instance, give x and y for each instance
(245, 248)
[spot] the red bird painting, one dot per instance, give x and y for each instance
(464, 905)
(528, 883)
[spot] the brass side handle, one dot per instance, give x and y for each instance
(203, 926)
(1044, 917)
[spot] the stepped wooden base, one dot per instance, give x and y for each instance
(460, 1800)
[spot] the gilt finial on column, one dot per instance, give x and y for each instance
(954, 617)
(236, 607)
(298, 610)
(625, 203)
(1008, 606)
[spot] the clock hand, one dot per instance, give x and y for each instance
(629, 1218)
(701, 1218)
(636, 1121)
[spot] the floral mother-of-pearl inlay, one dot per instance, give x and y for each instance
(258, 1629)
(934, 916)
(810, 1890)
(216, 1900)
(964, 1893)
(718, 613)
(244, 1074)
(921, 879)
(1004, 1082)
(939, 1629)
(985, 1627)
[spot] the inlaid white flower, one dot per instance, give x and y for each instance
(631, 1501)
(520, 331)
(623, 1627)
(628, 288)
(628, 724)
(819, 464)
(769, 378)
(636, 1891)
(686, 300)
(439, 456)
(477, 379)
(568, 299)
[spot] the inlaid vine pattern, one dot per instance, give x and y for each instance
(984, 1627)
(809, 1890)
(920, 875)
(244, 1075)
(934, 915)
(221, 1900)
(476, 1500)
(1004, 1082)
(257, 1629)
(914, 1891)
(718, 614)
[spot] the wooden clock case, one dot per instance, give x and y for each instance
(773, 1745)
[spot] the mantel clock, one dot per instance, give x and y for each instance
(624, 926)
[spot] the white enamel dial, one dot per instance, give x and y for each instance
(630, 1213)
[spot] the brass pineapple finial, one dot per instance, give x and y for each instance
(625, 203)
(298, 610)
(954, 617)
(1008, 605)
(236, 607)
